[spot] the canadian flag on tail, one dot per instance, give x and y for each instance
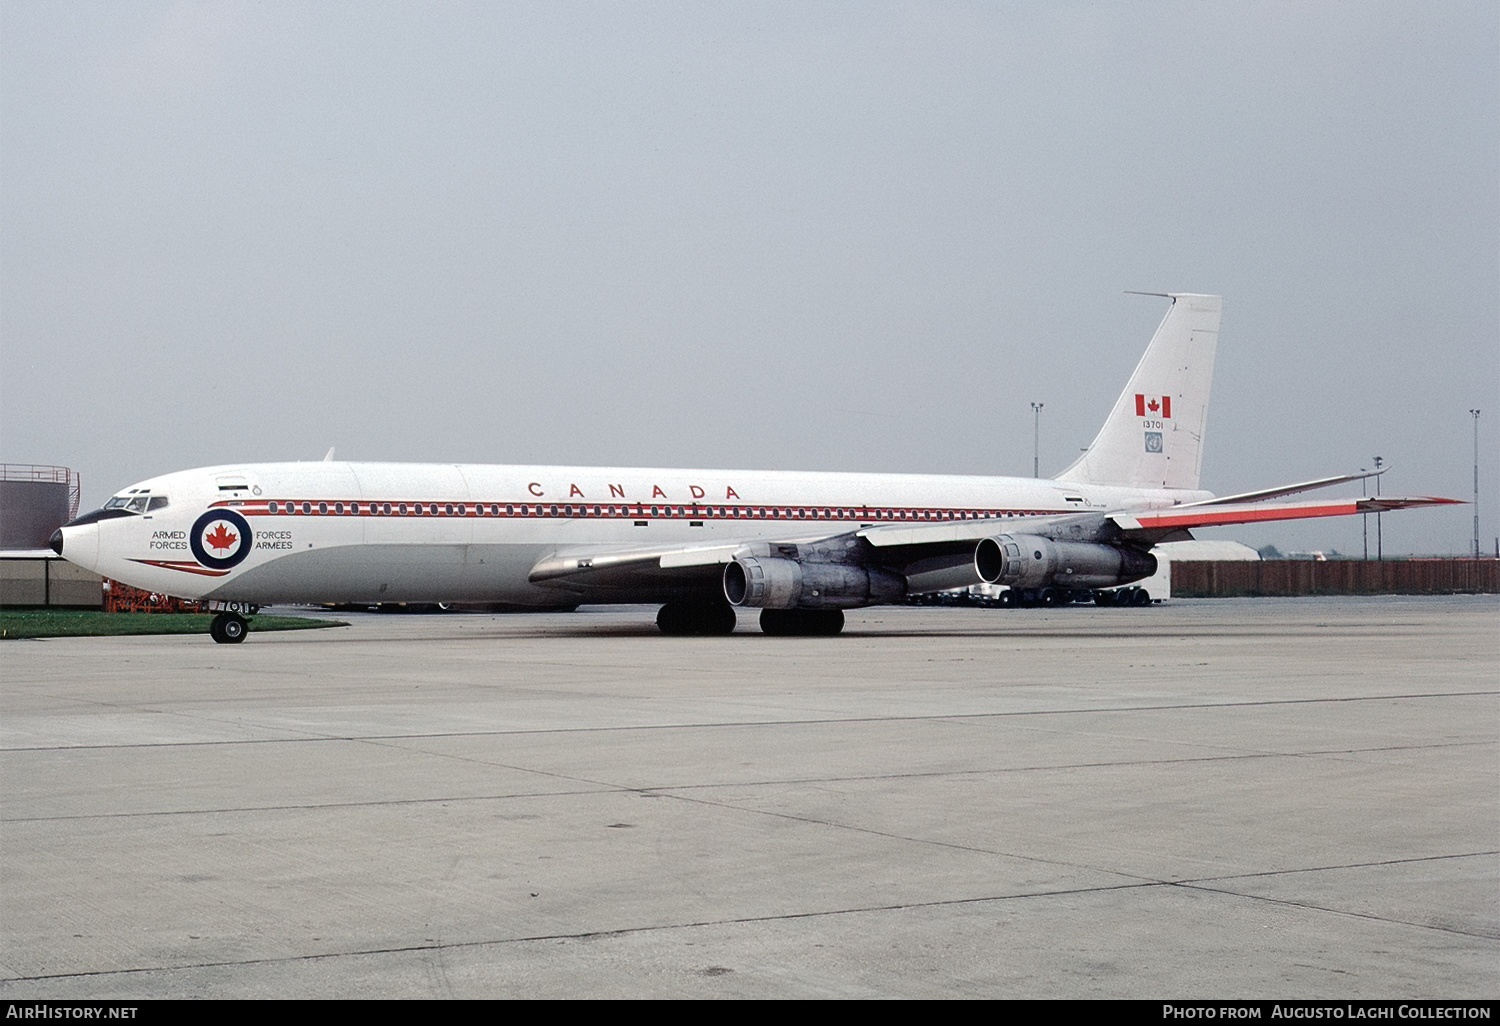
(1153, 406)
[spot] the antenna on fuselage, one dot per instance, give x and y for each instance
(328, 456)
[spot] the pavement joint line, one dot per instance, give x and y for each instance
(379, 803)
(931, 842)
(595, 934)
(1345, 865)
(1028, 858)
(608, 787)
(744, 920)
(1342, 912)
(740, 724)
(1230, 754)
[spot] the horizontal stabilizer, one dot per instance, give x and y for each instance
(1186, 517)
(1293, 489)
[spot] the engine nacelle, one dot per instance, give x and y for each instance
(1030, 561)
(774, 582)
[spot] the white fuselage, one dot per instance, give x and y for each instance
(387, 532)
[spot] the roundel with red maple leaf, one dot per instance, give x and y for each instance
(220, 539)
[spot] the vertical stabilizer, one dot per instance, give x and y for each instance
(1154, 435)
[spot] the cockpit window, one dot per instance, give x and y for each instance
(133, 502)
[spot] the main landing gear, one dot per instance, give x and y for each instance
(715, 619)
(819, 623)
(696, 619)
(1051, 597)
(1138, 597)
(229, 628)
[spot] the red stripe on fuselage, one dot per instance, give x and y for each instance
(616, 511)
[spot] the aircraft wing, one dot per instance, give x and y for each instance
(930, 556)
(586, 562)
(644, 574)
(680, 571)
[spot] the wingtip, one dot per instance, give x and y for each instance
(1377, 503)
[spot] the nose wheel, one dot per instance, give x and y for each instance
(229, 628)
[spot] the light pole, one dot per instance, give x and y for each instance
(1379, 555)
(1036, 440)
(1364, 519)
(1475, 414)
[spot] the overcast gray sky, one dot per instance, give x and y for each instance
(817, 236)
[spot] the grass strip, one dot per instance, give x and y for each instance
(87, 623)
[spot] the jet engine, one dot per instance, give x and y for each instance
(1030, 561)
(775, 582)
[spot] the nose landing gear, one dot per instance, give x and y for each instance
(229, 628)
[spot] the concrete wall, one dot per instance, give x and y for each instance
(1336, 577)
(48, 582)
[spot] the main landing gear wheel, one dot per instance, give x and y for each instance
(1122, 597)
(696, 619)
(228, 629)
(802, 622)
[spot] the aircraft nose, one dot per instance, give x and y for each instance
(55, 542)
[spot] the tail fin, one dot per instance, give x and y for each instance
(1154, 435)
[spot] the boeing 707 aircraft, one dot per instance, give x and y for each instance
(800, 547)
